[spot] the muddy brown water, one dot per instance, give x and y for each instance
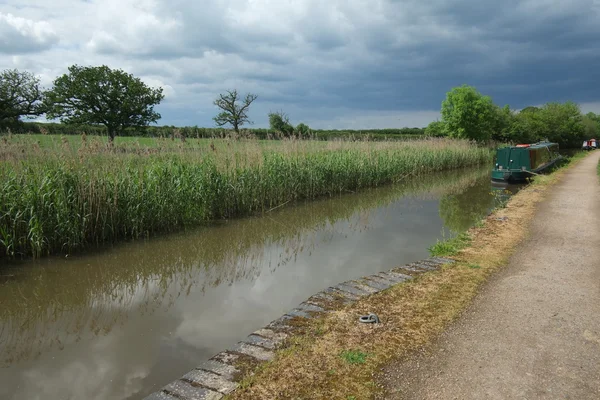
(120, 323)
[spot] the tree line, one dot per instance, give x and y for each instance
(468, 114)
(197, 132)
(109, 101)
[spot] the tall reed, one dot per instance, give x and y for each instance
(55, 201)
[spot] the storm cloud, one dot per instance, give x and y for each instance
(334, 64)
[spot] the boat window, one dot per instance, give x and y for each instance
(540, 156)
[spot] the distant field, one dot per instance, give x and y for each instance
(61, 194)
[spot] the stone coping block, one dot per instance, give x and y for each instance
(185, 390)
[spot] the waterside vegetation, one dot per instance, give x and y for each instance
(62, 198)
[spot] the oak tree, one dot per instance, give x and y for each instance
(104, 96)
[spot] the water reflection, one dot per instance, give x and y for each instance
(123, 322)
(460, 211)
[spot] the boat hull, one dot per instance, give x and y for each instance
(518, 175)
(510, 176)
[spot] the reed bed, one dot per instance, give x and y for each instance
(61, 198)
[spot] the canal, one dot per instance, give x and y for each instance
(121, 322)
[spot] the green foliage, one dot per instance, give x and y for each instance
(591, 125)
(562, 123)
(502, 124)
(62, 200)
(303, 130)
(20, 96)
(354, 356)
(102, 96)
(280, 123)
(467, 114)
(233, 112)
(450, 247)
(435, 129)
(527, 126)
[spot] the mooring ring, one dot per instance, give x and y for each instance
(370, 319)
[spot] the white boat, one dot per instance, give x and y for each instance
(591, 144)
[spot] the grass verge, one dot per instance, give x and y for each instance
(309, 366)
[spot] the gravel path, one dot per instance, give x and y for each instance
(534, 330)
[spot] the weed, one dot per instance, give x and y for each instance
(449, 247)
(354, 356)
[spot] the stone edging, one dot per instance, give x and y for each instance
(218, 376)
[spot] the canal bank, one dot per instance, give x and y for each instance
(337, 357)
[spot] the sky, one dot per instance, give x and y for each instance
(335, 64)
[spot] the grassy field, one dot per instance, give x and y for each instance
(61, 194)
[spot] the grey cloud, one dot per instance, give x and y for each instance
(20, 35)
(339, 58)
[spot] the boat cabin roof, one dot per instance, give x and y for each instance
(538, 145)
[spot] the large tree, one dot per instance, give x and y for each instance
(234, 110)
(467, 114)
(20, 95)
(104, 96)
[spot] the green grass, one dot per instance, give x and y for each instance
(450, 247)
(354, 356)
(67, 194)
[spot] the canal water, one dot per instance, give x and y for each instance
(119, 323)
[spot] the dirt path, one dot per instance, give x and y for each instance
(534, 331)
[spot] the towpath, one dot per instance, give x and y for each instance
(534, 330)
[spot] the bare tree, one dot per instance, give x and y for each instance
(233, 109)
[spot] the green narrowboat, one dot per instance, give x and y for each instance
(517, 163)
